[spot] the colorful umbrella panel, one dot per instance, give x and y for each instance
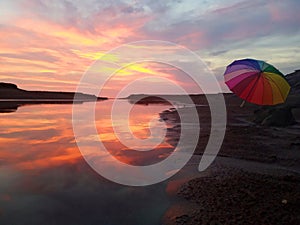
(257, 82)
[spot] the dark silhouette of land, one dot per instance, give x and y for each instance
(294, 81)
(143, 99)
(12, 97)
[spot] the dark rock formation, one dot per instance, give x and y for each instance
(274, 116)
(11, 97)
(281, 115)
(10, 91)
(294, 81)
(8, 86)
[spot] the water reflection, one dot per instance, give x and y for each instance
(9, 106)
(44, 179)
(139, 119)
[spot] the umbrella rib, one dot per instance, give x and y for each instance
(271, 88)
(279, 90)
(262, 96)
(252, 88)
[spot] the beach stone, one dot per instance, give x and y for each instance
(275, 200)
(183, 219)
(214, 222)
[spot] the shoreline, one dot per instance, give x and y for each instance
(254, 179)
(230, 195)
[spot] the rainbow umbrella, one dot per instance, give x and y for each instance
(257, 82)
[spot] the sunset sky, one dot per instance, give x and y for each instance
(48, 45)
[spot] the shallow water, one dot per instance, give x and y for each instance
(45, 180)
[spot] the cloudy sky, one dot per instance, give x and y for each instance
(48, 45)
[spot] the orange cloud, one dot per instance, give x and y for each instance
(51, 53)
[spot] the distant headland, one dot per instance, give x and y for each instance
(9, 91)
(12, 97)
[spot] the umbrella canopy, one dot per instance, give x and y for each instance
(257, 82)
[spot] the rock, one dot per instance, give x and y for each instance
(294, 80)
(280, 117)
(183, 219)
(260, 115)
(274, 116)
(214, 222)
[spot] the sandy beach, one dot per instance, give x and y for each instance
(254, 180)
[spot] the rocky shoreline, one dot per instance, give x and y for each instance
(231, 194)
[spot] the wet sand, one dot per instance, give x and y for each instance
(254, 180)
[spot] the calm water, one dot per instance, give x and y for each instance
(45, 180)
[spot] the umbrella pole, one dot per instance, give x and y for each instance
(243, 103)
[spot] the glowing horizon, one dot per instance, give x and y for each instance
(49, 45)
